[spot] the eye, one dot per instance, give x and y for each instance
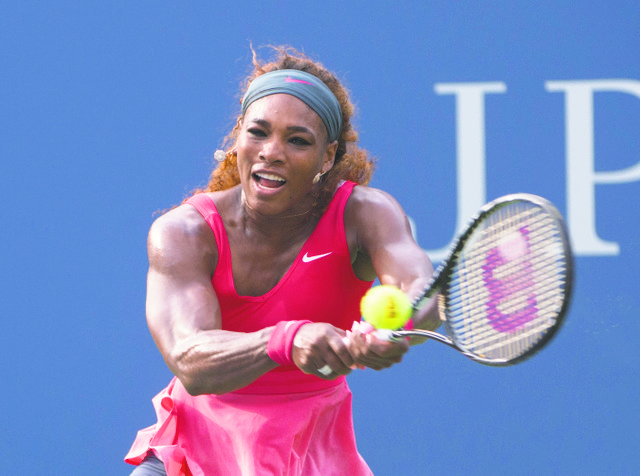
(257, 132)
(299, 141)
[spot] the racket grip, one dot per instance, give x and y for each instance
(385, 334)
(389, 334)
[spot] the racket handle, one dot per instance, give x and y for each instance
(386, 334)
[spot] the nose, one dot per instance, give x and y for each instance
(272, 151)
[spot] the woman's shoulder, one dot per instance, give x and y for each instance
(365, 199)
(369, 212)
(182, 227)
(181, 244)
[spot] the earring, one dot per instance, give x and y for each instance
(220, 155)
(317, 178)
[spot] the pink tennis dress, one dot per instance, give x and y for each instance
(285, 422)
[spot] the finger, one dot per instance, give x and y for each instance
(378, 354)
(329, 372)
(340, 348)
(317, 345)
(347, 342)
(376, 362)
(371, 342)
(385, 347)
(329, 359)
(325, 370)
(339, 365)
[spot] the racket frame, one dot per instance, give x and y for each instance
(443, 272)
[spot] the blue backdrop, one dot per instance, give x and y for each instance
(111, 111)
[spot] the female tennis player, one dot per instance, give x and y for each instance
(255, 281)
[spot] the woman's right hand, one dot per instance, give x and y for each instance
(322, 350)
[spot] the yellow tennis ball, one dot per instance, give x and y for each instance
(386, 307)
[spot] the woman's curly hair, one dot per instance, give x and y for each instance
(351, 162)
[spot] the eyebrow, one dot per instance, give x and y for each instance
(265, 123)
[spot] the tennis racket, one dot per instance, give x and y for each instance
(504, 289)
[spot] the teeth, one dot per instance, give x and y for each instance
(270, 177)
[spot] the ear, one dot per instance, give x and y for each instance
(329, 156)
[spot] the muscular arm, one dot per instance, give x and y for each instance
(183, 313)
(380, 233)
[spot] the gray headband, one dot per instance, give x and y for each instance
(306, 87)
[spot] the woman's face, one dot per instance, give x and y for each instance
(281, 147)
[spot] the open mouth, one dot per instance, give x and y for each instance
(267, 180)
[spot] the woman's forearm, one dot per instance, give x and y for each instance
(218, 361)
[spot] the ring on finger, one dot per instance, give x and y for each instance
(326, 370)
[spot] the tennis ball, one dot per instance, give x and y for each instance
(386, 307)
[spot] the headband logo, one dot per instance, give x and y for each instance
(289, 79)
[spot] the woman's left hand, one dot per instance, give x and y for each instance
(370, 351)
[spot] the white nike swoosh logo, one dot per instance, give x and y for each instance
(308, 259)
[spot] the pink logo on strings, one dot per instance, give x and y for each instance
(289, 79)
(517, 283)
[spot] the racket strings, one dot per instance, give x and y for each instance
(507, 287)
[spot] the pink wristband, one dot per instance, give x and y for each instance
(280, 343)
